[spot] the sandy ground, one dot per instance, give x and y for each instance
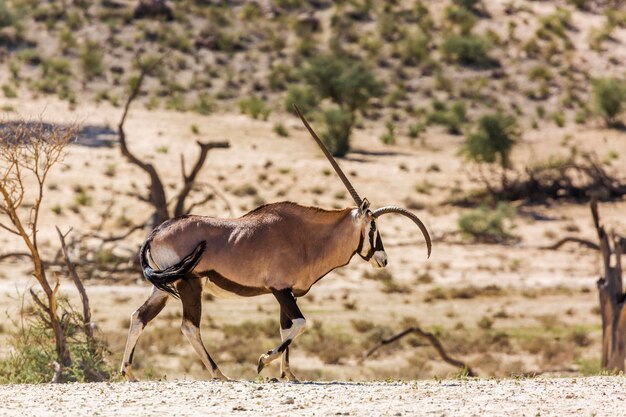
(595, 396)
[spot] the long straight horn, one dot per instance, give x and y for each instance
(405, 212)
(355, 196)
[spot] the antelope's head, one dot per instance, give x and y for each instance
(370, 245)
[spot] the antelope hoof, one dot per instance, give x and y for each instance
(128, 374)
(265, 359)
(219, 376)
(288, 376)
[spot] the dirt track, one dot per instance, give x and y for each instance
(528, 397)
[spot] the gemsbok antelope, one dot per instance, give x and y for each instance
(280, 248)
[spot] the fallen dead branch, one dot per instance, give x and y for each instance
(432, 339)
(584, 242)
(578, 178)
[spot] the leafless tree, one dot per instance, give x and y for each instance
(28, 150)
(157, 196)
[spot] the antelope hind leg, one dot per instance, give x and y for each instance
(138, 321)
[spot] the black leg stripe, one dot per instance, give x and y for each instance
(283, 346)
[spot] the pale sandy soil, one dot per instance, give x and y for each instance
(593, 396)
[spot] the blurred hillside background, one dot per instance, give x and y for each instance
(496, 121)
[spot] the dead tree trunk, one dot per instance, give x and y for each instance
(610, 290)
(157, 195)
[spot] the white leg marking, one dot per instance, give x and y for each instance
(285, 371)
(298, 326)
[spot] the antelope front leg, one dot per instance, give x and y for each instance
(297, 324)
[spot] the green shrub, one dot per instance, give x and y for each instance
(452, 118)
(486, 225)
(250, 11)
(281, 130)
(540, 72)
(579, 4)
(609, 97)
(7, 17)
(468, 50)
(416, 129)
(389, 137)
(255, 107)
(346, 81)
(205, 104)
(556, 23)
(67, 40)
(494, 139)
(303, 97)
(32, 350)
(9, 91)
(330, 345)
(461, 17)
(414, 47)
(336, 137)
(558, 118)
(467, 4)
(91, 59)
(280, 76)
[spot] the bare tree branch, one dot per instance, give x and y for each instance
(584, 242)
(219, 194)
(14, 255)
(157, 191)
(433, 341)
(115, 238)
(79, 285)
(189, 180)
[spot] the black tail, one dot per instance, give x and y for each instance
(165, 279)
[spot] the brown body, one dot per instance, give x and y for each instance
(277, 246)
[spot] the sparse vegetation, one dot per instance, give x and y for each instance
(255, 107)
(488, 225)
(493, 141)
(609, 98)
(469, 50)
(338, 130)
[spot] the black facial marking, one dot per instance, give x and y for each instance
(379, 243)
(372, 237)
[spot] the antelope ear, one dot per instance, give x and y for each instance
(364, 205)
